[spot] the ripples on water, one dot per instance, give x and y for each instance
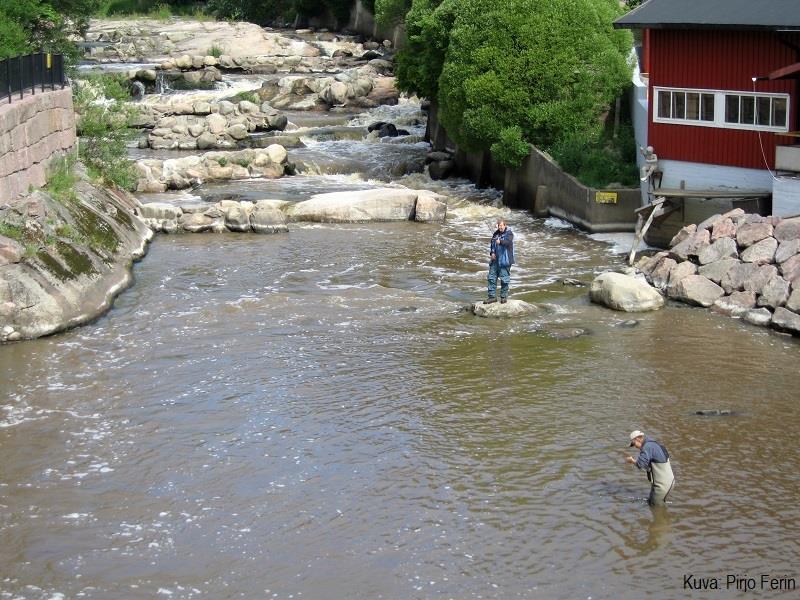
(314, 416)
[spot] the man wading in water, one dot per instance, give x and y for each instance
(501, 257)
(654, 459)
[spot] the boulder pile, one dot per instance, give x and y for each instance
(272, 216)
(205, 125)
(156, 175)
(737, 264)
(367, 86)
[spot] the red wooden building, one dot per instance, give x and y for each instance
(719, 80)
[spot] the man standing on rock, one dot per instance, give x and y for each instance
(653, 458)
(501, 257)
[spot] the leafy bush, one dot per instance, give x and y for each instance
(248, 96)
(504, 72)
(102, 124)
(61, 179)
(510, 150)
(215, 51)
(280, 11)
(598, 159)
(44, 25)
(390, 12)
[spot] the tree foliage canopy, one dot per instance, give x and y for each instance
(506, 72)
(269, 11)
(33, 25)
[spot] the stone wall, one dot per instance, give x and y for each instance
(738, 264)
(540, 186)
(33, 130)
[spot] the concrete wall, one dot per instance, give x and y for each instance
(540, 186)
(363, 21)
(786, 197)
(33, 130)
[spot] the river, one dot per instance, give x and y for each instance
(314, 415)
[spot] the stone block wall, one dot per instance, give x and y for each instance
(33, 130)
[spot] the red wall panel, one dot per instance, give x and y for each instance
(719, 60)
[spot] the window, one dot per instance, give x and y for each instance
(733, 110)
(680, 105)
(763, 111)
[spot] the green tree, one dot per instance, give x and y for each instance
(504, 72)
(390, 12)
(46, 25)
(268, 11)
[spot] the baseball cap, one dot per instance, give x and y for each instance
(634, 434)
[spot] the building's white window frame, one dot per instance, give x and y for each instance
(719, 108)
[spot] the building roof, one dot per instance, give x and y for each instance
(774, 15)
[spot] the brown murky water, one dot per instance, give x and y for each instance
(314, 416)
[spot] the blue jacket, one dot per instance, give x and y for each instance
(502, 246)
(651, 451)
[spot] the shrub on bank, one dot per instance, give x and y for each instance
(513, 72)
(103, 128)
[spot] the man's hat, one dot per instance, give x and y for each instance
(635, 434)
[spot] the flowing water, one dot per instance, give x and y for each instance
(314, 415)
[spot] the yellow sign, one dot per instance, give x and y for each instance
(49, 61)
(605, 197)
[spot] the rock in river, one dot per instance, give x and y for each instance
(625, 293)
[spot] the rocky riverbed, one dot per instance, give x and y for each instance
(63, 260)
(741, 265)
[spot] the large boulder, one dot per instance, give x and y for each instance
(775, 292)
(382, 204)
(735, 305)
(659, 275)
(682, 270)
(237, 218)
(697, 290)
(786, 320)
(734, 278)
(196, 222)
(788, 230)
(751, 233)
(787, 250)
(793, 303)
(790, 269)
(683, 234)
(267, 218)
(430, 208)
(716, 271)
(758, 316)
(762, 252)
(624, 293)
(511, 308)
(692, 246)
(722, 229)
(722, 248)
(760, 278)
(159, 210)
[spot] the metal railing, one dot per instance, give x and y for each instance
(20, 74)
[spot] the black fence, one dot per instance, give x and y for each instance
(31, 72)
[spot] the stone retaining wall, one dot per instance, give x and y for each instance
(738, 264)
(542, 187)
(33, 130)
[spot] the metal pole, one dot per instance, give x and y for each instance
(21, 79)
(33, 79)
(43, 68)
(8, 78)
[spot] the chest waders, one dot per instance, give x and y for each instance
(660, 474)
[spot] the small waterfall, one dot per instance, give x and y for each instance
(162, 85)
